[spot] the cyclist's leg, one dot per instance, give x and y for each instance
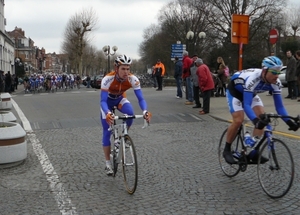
(106, 136)
(237, 112)
(126, 108)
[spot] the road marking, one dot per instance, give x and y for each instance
(192, 115)
(61, 196)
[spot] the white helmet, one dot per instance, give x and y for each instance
(123, 60)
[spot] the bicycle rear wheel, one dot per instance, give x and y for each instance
(129, 164)
(276, 176)
(229, 170)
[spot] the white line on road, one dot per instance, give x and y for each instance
(61, 196)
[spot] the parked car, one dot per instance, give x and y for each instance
(84, 81)
(282, 76)
(97, 81)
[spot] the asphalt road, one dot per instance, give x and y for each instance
(179, 171)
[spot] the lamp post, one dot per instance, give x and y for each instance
(106, 50)
(191, 35)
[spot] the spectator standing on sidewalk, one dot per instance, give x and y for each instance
(159, 70)
(298, 72)
(153, 77)
(206, 84)
(186, 74)
(16, 82)
(177, 76)
(195, 82)
(2, 78)
(290, 76)
(8, 81)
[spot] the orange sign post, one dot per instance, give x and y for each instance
(240, 33)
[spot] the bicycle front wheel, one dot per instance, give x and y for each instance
(129, 164)
(229, 170)
(277, 174)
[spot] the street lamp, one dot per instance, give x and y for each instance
(106, 50)
(190, 36)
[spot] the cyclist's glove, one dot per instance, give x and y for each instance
(147, 116)
(110, 118)
(260, 124)
(292, 125)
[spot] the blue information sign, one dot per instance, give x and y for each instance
(177, 50)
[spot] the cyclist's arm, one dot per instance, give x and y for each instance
(103, 101)
(142, 101)
(279, 106)
(135, 84)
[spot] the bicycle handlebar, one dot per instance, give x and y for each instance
(126, 117)
(274, 115)
(268, 116)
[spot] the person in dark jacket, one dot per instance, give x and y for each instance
(298, 72)
(290, 76)
(16, 82)
(177, 76)
(8, 81)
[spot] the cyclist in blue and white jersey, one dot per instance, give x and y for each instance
(242, 98)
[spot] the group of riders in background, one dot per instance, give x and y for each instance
(50, 82)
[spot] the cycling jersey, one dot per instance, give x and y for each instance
(113, 94)
(112, 88)
(244, 86)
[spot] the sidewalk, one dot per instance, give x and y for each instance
(219, 110)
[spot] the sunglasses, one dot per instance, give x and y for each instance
(274, 72)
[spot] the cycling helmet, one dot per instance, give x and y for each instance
(123, 60)
(271, 62)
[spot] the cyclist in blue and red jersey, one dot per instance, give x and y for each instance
(242, 98)
(113, 88)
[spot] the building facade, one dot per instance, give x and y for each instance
(7, 59)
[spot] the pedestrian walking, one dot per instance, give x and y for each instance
(88, 81)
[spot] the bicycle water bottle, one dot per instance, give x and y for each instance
(248, 140)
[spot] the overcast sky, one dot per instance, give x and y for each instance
(121, 22)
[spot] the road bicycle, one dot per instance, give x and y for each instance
(276, 175)
(123, 151)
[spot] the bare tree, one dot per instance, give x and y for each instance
(76, 35)
(293, 17)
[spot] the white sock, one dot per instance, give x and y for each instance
(108, 163)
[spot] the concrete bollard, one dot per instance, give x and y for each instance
(7, 116)
(13, 144)
(6, 101)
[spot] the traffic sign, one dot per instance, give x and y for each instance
(178, 46)
(179, 55)
(177, 50)
(273, 35)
